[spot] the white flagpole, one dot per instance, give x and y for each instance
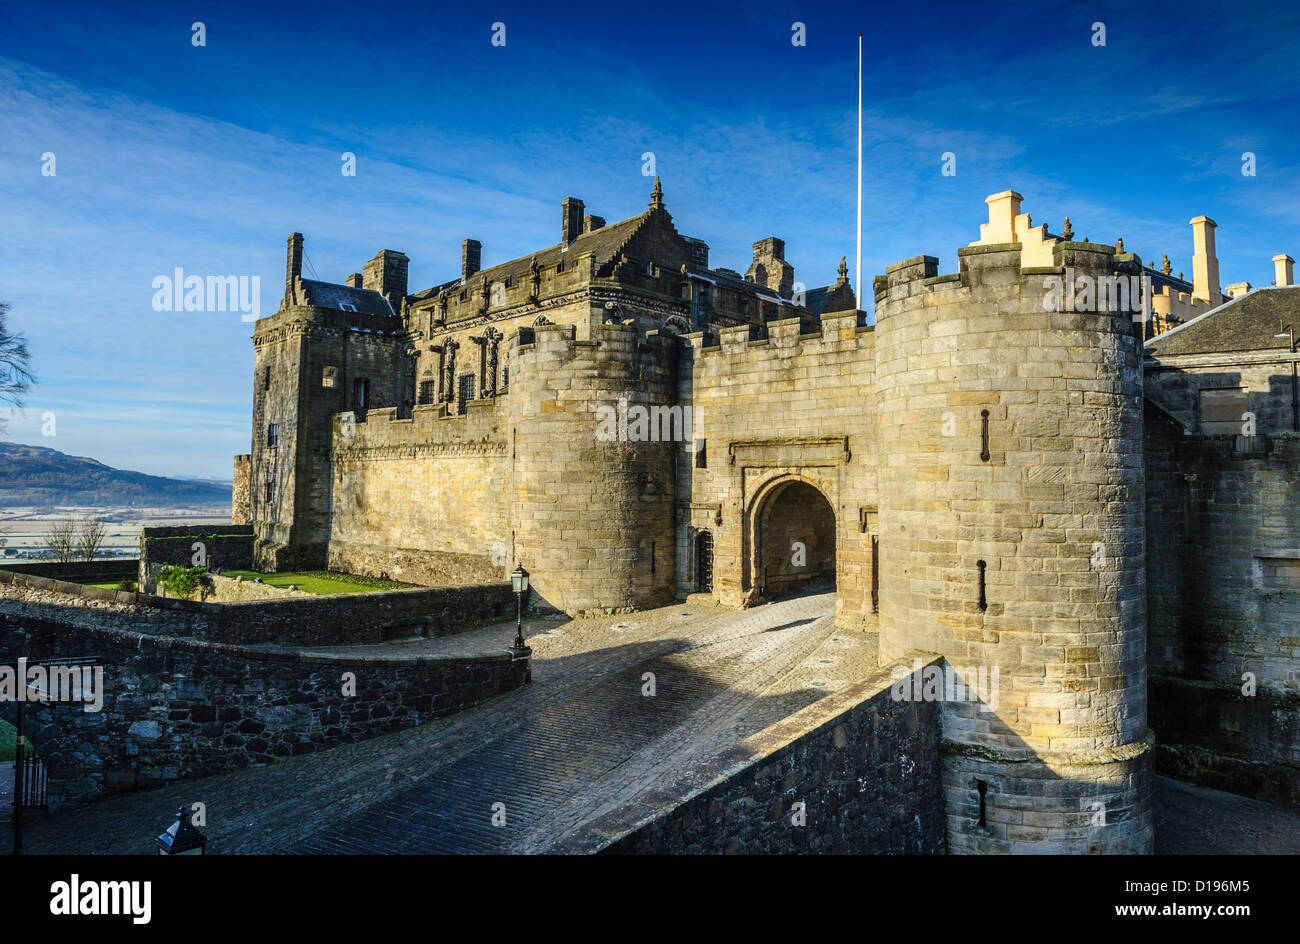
(857, 278)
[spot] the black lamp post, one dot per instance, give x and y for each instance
(1288, 332)
(181, 838)
(519, 580)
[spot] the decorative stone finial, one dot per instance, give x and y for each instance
(1067, 231)
(657, 196)
(1166, 266)
(844, 269)
(1119, 244)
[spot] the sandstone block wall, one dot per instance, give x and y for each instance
(241, 495)
(1045, 512)
(1223, 571)
(864, 765)
(780, 409)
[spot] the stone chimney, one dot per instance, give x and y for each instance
(1004, 207)
(572, 220)
(1205, 263)
(1283, 273)
(354, 280)
(386, 274)
(471, 258)
(592, 223)
(769, 267)
(1238, 289)
(293, 267)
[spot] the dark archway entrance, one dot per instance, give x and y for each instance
(704, 562)
(795, 531)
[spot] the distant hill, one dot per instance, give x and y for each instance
(34, 475)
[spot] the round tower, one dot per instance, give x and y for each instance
(594, 433)
(1011, 539)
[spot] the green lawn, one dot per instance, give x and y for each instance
(320, 581)
(115, 585)
(8, 735)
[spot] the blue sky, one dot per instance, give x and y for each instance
(168, 155)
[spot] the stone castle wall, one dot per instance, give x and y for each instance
(864, 765)
(241, 495)
(784, 408)
(225, 547)
(1022, 551)
(422, 499)
(1223, 590)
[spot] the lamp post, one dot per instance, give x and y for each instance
(519, 580)
(181, 838)
(1288, 332)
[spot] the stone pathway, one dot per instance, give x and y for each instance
(580, 738)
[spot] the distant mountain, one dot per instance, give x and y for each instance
(34, 475)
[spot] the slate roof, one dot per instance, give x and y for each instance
(328, 295)
(604, 244)
(1248, 323)
(837, 297)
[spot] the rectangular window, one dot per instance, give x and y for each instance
(1221, 411)
(330, 378)
(426, 392)
(270, 491)
(360, 394)
(701, 455)
(271, 435)
(465, 392)
(266, 377)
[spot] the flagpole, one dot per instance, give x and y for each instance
(857, 277)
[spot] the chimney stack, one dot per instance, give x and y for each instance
(354, 280)
(471, 258)
(592, 223)
(1282, 270)
(769, 268)
(1205, 263)
(293, 267)
(572, 219)
(386, 274)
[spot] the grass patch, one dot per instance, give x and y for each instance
(321, 581)
(128, 585)
(9, 742)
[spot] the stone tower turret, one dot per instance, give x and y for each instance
(1012, 542)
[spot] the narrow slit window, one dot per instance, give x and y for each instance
(982, 788)
(985, 455)
(984, 600)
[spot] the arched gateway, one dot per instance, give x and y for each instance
(791, 531)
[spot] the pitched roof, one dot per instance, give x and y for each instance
(837, 297)
(1248, 323)
(605, 244)
(362, 300)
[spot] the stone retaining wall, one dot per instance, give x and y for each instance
(865, 766)
(178, 709)
(300, 619)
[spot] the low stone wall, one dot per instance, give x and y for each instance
(1220, 738)
(178, 709)
(100, 571)
(425, 568)
(228, 547)
(296, 619)
(866, 768)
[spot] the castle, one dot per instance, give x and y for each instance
(1097, 500)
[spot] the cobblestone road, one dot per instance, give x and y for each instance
(581, 738)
